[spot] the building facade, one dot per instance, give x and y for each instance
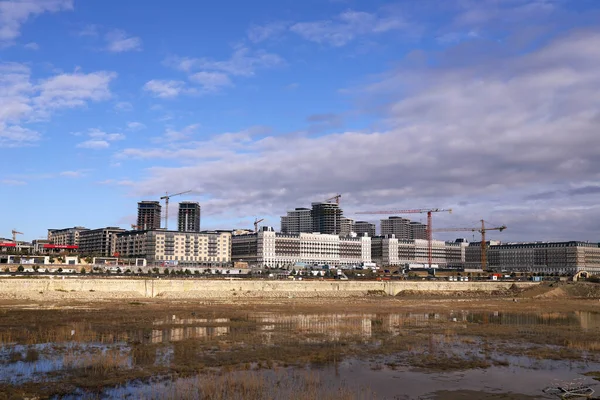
(388, 251)
(149, 215)
(403, 228)
(66, 236)
(547, 257)
(297, 221)
(188, 218)
(346, 226)
(326, 218)
(362, 227)
(99, 242)
(190, 249)
(282, 250)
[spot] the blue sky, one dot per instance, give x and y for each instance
(489, 107)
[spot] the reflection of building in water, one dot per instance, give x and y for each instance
(188, 332)
(589, 320)
(332, 326)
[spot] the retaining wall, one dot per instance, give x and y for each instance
(127, 287)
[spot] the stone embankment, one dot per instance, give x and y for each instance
(116, 288)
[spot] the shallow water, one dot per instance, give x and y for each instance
(448, 357)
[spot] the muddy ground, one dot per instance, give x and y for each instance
(96, 345)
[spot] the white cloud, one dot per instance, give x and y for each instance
(13, 182)
(123, 106)
(243, 62)
(74, 90)
(135, 126)
(211, 81)
(89, 30)
(72, 174)
(478, 138)
(259, 33)
(165, 88)
(119, 41)
(346, 27)
(100, 139)
(17, 136)
(14, 13)
(94, 144)
(111, 137)
(32, 46)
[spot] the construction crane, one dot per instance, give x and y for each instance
(166, 198)
(429, 211)
(256, 222)
(336, 198)
(483, 229)
(14, 235)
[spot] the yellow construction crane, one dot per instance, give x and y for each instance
(14, 235)
(166, 198)
(483, 229)
(256, 222)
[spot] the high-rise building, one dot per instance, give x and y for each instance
(397, 226)
(149, 215)
(66, 236)
(327, 218)
(418, 230)
(297, 221)
(189, 217)
(362, 227)
(403, 228)
(346, 226)
(99, 242)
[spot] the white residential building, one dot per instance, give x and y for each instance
(274, 249)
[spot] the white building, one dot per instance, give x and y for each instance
(390, 251)
(207, 248)
(274, 249)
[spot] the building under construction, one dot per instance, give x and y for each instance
(188, 218)
(149, 215)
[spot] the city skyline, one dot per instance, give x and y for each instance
(489, 108)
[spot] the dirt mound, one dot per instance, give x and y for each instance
(563, 290)
(555, 293)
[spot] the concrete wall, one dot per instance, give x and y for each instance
(127, 287)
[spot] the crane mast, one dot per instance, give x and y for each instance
(429, 212)
(483, 229)
(166, 198)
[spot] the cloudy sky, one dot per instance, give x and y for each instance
(488, 107)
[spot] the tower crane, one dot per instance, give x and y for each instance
(429, 211)
(256, 222)
(14, 235)
(336, 198)
(483, 229)
(166, 197)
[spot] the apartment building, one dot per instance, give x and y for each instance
(362, 227)
(188, 218)
(547, 257)
(346, 226)
(274, 249)
(390, 251)
(65, 236)
(327, 218)
(207, 248)
(149, 215)
(403, 228)
(99, 242)
(297, 221)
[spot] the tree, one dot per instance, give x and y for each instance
(188, 272)
(59, 270)
(20, 268)
(166, 271)
(139, 270)
(127, 271)
(82, 270)
(196, 272)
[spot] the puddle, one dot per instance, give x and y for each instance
(381, 355)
